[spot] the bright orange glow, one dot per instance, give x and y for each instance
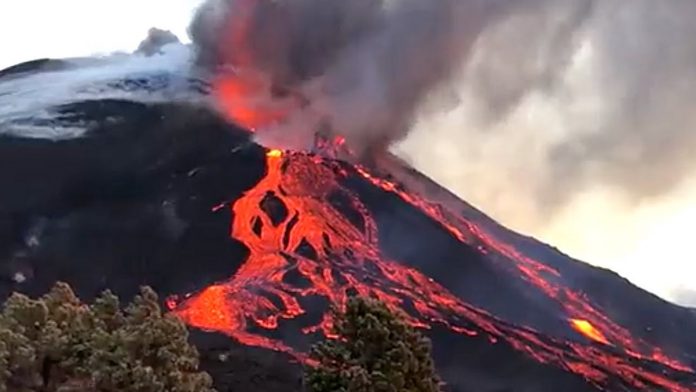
(241, 90)
(241, 99)
(274, 153)
(588, 330)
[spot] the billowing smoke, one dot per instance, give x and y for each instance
(363, 67)
(582, 134)
(609, 102)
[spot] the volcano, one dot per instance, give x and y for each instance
(123, 185)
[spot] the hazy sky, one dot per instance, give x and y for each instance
(647, 242)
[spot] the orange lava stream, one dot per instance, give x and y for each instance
(540, 275)
(313, 250)
(346, 256)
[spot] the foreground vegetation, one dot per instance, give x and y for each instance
(59, 344)
(375, 351)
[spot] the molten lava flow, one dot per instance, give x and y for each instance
(308, 238)
(302, 247)
(587, 329)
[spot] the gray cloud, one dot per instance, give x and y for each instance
(623, 121)
(156, 39)
(647, 65)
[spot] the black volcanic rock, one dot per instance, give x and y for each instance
(121, 207)
(236, 367)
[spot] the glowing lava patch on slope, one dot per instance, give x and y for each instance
(587, 329)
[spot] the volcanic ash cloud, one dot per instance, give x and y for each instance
(360, 68)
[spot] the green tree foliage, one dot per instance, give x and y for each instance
(375, 351)
(59, 344)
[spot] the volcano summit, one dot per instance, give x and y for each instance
(121, 182)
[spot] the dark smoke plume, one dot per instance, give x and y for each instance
(365, 66)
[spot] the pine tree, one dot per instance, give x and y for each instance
(59, 344)
(375, 351)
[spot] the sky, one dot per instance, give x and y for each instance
(31, 29)
(647, 241)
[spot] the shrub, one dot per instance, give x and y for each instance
(375, 351)
(57, 343)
